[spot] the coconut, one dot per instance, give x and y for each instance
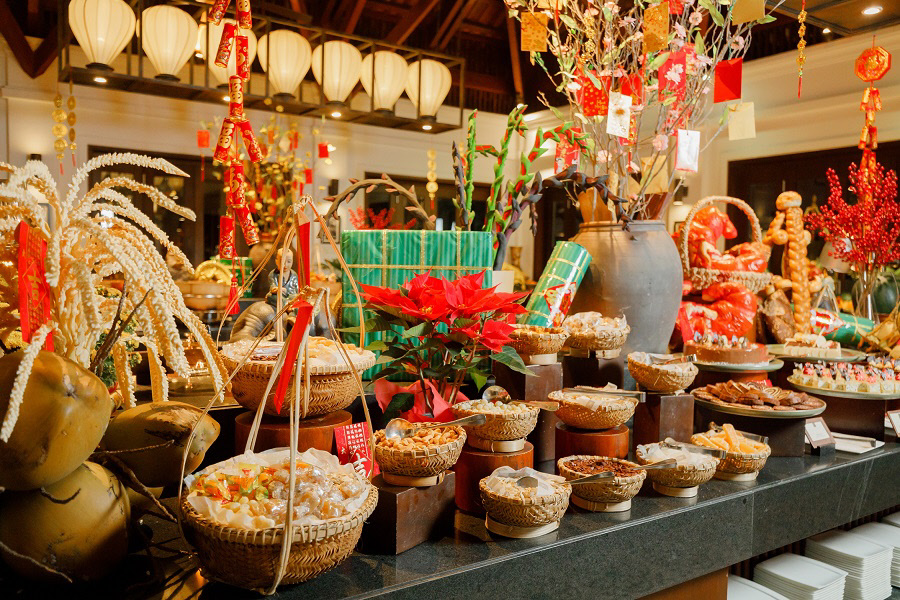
(65, 412)
(83, 538)
(164, 428)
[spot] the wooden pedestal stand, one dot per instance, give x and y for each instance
(604, 442)
(514, 531)
(407, 516)
(275, 432)
(546, 379)
(600, 506)
(663, 416)
(474, 465)
(676, 492)
(736, 476)
(579, 369)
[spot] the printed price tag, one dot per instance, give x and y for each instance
(817, 432)
(894, 419)
(352, 443)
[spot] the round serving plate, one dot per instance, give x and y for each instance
(772, 365)
(847, 355)
(762, 414)
(843, 393)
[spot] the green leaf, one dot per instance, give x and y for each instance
(416, 331)
(509, 357)
(766, 19)
(699, 45)
(556, 113)
(668, 101)
(713, 12)
(658, 61)
(569, 21)
(479, 377)
(400, 403)
(724, 116)
(376, 346)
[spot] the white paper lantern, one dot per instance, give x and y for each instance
(215, 34)
(200, 47)
(286, 61)
(168, 36)
(434, 86)
(102, 28)
(342, 62)
(390, 78)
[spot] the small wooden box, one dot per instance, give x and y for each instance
(593, 371)
(275, 432)
(604, 442)
(407, 516)
(859, 417)
(662, 416)
(474, 465)
(546, 379)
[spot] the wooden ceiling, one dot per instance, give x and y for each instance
(497, 74)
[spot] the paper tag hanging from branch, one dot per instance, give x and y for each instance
(618, 119)
(728, 80)
(745, 11)
(534, 32)
(741, 121)
(656, 27)
(687, 150)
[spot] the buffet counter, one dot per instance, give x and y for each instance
(661, 542)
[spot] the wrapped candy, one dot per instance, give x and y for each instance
(245, 19)
(226, 140)
(243, 56)
(217, 11)
(236, 93)
(226, 237)
(248, 227)
(223, 53)
(250, 143)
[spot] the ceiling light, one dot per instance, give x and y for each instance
(336, 114)
(872, 10)
(826, 30)
(226, 98)
(100, 79)
(170, 38)
(337, 70)
(426, 127)
(432, 79)
(389, 70)
(289, 60)
(103, 28)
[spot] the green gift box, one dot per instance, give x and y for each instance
(549, 302)
(390, 258)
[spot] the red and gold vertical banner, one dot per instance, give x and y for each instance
(35, 301)
(223, 53)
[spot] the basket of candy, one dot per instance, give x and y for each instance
(592, 331)
(745, 453)
(690, 470)
(505, 421)
(510, 504)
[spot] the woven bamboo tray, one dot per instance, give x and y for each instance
(681, 476)
(331, 389)
(612, 413)
(249, 558)
(421, 462)
(501, 427)
(660, 378)
(740, 463)
(702, 277)
(604, 340)
(530, 340)
(606, 491)
(532, 511)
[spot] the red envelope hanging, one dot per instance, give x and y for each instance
(728, 80)
(323, 150)
(307, 176)
(672, 76)
(593, 100)
(566, 153)
(676, 7)
(203, 138)
(34, 291)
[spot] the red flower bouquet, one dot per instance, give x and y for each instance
(439, 331)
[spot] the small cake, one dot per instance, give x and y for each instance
(812, 346)
(713, 348)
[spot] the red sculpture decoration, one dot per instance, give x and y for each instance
(709, 225)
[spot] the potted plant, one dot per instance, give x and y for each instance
(438, 331)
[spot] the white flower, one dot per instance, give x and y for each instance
(706, 90)
(660, 142)
(602, 156)
(674, 73)
(573, 86)
(737, 44)
(679, 30)
(696, 18)
(704, 60)
(612, 7)
(677, 43)
(624, 21)
(619, 72)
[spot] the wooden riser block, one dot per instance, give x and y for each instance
(407, 516)
(275, 432)
(858, 417)
(786, 436)
(474, 465)
(590, 370)
(662, 416)
(546, 379)
(605, 442)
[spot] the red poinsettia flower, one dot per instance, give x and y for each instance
(493, 335)
(468, 299)
(392, 301)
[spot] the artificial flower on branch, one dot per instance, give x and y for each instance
(666, 65)
(439, 330)
(865, 234)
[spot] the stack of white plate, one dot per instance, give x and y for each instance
(886, 536)
(800, 578)
(893, 519)
(744, 589)
(867, 563)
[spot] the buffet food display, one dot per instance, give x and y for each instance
(722, 349)
(758, 397)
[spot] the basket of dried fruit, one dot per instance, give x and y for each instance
(238, 530)
(593, 332)
(332, 385)
(505, 421)
(509, 504)
(655, 372)
(746, 454)
(615, 490)
(593, 410)
(427, 453)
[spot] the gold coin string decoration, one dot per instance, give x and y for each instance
(70, 119)
(801, 47)
(432, 186)
(60, 130)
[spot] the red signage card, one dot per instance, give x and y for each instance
(34, 291)
(352, 443)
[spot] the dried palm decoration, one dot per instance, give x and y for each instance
(93, 236)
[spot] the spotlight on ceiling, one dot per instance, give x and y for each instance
(336, 114)
(826, 30)
(426, 127)
(872, 10)
(99, 79)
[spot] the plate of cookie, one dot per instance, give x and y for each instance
(755, 399)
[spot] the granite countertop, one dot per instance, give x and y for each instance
(660, 542)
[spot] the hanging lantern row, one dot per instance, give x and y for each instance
(170, 36)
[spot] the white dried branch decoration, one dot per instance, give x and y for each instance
(117, 158)
(154, 194)
(123, 372)
(23, 374)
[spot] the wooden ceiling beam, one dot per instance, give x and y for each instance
(483, 82)
(514, 59)
(14, 36)
(415, 14)
(455, 18)
(353, 18)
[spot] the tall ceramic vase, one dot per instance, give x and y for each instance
(636, 273)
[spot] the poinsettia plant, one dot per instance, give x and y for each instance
(439, 331)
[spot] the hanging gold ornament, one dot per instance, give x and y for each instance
(59, 129)
(70, 104)
(801, 47)
(432, 186)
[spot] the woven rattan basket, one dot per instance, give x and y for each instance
(531, 511)
(421, 462)
(681, 476)
(608, 491)
(613, 412)
(249, 558)
(702, 277)
(502, 426)
(664, 379)
(331, 388)
(742, 462)
(608, 340)
(530, 340)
